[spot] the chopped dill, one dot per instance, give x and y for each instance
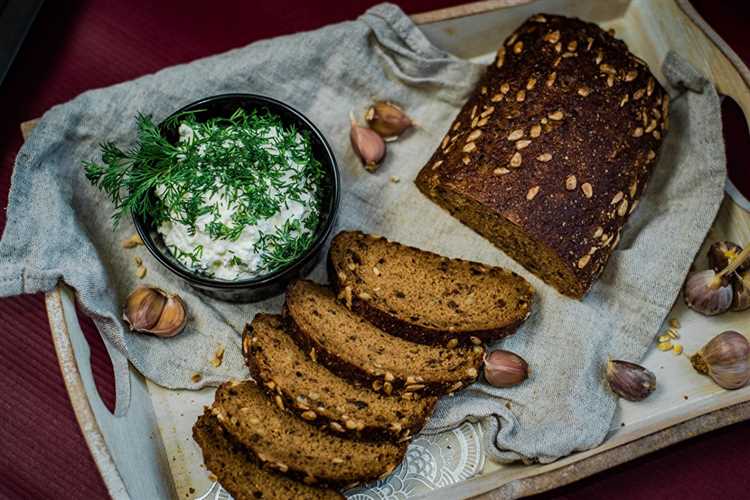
(247, 179)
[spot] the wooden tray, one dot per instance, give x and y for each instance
(148, 452)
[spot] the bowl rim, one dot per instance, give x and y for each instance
(279, 274)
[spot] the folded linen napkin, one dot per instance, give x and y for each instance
(59, 227)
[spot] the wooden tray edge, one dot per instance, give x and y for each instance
(71, 374)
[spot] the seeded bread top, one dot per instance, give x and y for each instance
(559, 138)
(356, 343)
(289, 444)
(427, 289)
(240, 475)
(280, 364)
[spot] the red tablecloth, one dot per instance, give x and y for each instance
(78, 45)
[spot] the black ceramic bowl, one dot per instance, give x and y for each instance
(267, 285)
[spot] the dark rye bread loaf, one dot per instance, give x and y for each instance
(425, 297)
(354, 348)
(549, 156)
(311, 391)
(288, 444)
(240, 474)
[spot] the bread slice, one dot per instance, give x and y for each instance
(424, 297)
(353, 348)
(320, 397)
(240, 474)
(288, 444)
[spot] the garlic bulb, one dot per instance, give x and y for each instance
(725, 359)
(387, 119)
(152, 310)
(368, 145)
(705, 293)
(722, 253)
(629, 380)
(504, 368)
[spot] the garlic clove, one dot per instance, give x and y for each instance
(741, 288)
(152, 310)
(387, 120)
(368, 145)
(172, 320)
(722, 253)
(504, 368)
(704, 292)
(629, 380)
(143, 308)
(725, 358)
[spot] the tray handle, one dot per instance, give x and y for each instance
(126, 448)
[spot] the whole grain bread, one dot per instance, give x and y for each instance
(354, 348)
(317, 395)
(424, 297)
(290, 445)
(240, 474)
(550, 155)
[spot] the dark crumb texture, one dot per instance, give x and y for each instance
(288, 444)
(240, 474)
(550, 155)
(424, 297)
(355, 349)
(315, 394)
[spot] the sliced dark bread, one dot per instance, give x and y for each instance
(353, 348)
(288, 444)
(425, 297)
(240, 474)
(310, 390)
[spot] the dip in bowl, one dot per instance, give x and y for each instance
(253, 199)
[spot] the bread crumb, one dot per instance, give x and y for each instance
(196, 377)
(395, 179)
(141, 271)
(132, 242)
(218, 357)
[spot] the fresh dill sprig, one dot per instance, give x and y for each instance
(249, 165)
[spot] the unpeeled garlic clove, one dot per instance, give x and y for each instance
(368, 145)
(143, 308)
(504, 368)
(152, 310)
(629, 380)
(705, 293)
(387, 119)
(725, 359)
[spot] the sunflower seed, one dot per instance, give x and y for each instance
(588, 191)
(531, 194)
(544, 157)
(515, 160)
(552, 36)
(521, 96)
(523, 144)
(583, 261)
(570, 182)
(515, 135)
(500, 57)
